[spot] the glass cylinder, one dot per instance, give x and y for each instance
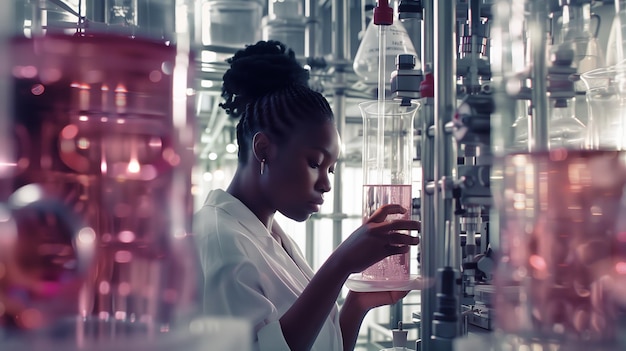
(102, 127)
(285, 22)
(230, 23)
(562, 268)
(388, 152)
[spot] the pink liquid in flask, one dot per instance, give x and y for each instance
(396, 267)
(95, 127)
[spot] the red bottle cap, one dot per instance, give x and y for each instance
(383, 14)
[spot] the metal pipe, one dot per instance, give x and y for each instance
(7, 30)
(445, 160)
(311, 50)
(312, 29)
(537, 27)
(340, 16)
(428, 233)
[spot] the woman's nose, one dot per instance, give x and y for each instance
(323, 183)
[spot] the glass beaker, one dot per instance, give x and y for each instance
(388, 152)
(606, 103)
(102, 124)
(562, 257)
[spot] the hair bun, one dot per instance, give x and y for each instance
(258, 70)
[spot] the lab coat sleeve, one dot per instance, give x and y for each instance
(233, 286)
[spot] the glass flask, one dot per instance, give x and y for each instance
(367, 55)
(388, 152)
(617, 34)
(102, 128)
(561, 273)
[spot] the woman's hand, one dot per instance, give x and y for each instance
(377, 239)
(368, 300)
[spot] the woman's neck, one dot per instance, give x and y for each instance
(245, 188)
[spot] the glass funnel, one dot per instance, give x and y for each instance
(388, 152)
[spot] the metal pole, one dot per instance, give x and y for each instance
(538, 28)
(447, 241)
(340, 16)
(445, 105)
(428, 233)
(7, 29)
(311, 47)
(311, 34)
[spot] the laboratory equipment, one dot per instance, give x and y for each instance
(387, 162)
(102, 126)
(615, 43)
(564, 128)
(286, 23)
(560, 277)
(606, 107)
(367, 57)
(557, 206)
(231, 23)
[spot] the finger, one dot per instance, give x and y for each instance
(397, 250)
(397, 295)
(396, 239)
(383, 211)
(400, 224)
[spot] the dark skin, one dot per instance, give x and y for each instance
(295, 177)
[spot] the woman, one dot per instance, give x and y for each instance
(288, 146)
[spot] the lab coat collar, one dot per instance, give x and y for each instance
(234, 207)
(249, 220)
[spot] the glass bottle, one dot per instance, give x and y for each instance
(564, 129)
(387, 167)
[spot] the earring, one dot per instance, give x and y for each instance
(262, 166)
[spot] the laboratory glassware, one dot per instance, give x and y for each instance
(102, 124)
(560, 277)
(230, 23)
(366, 59)
(388, 152)
(606, 102)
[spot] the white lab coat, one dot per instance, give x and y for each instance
(248, 273)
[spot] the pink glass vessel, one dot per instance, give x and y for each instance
(387, 166)
(561, 276)
(103, 128)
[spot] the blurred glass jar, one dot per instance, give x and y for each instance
(562, 270)
(102, 126)
(230, 23)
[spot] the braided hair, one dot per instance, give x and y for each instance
(268, 89)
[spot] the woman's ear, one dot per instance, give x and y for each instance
(261, 146)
